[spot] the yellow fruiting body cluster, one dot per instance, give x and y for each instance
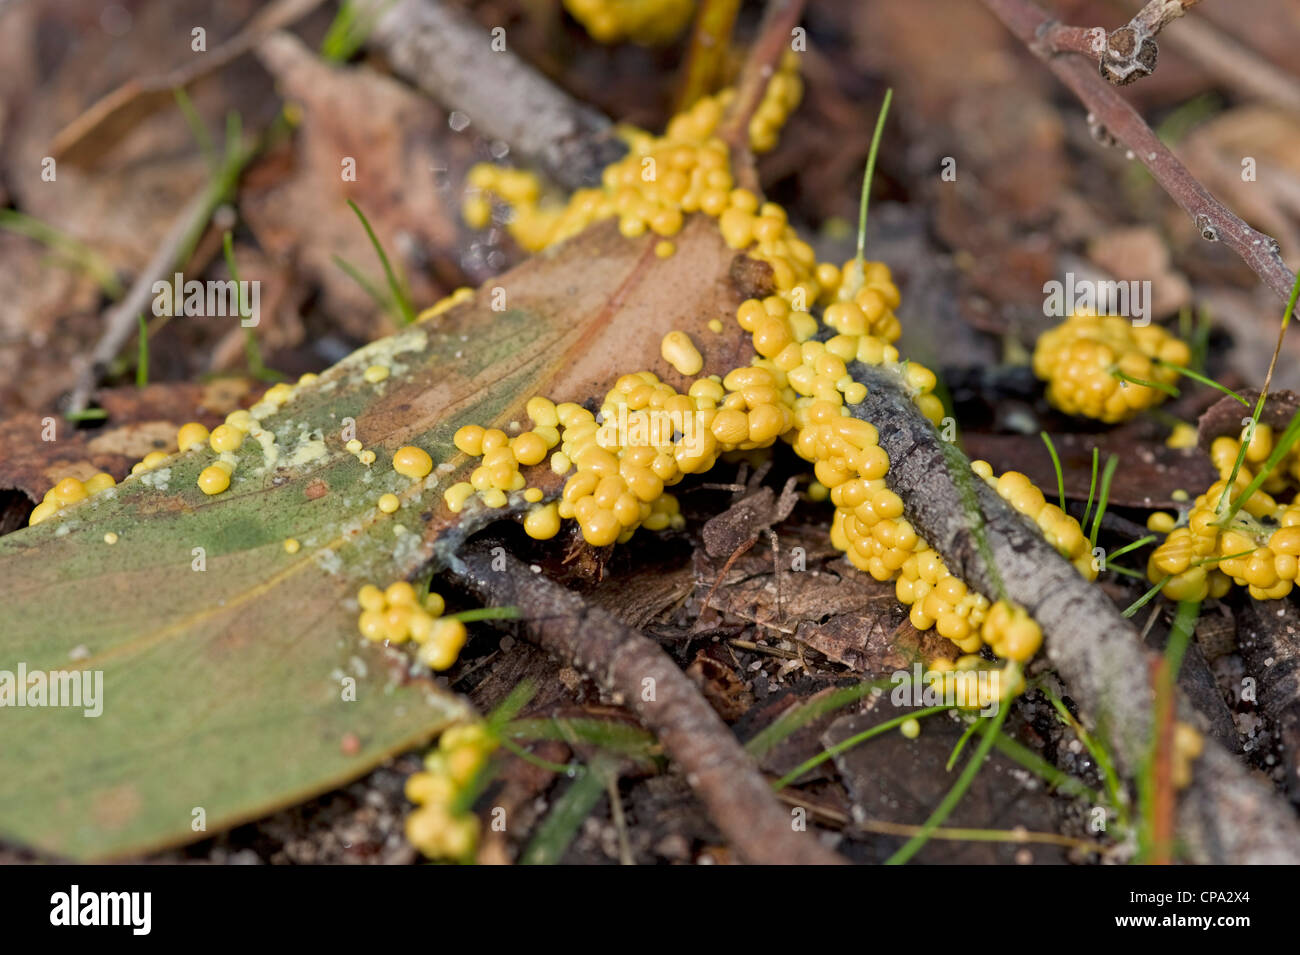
(441, 828)
(1259, 549)
(70, 491)
(1079, 359)
(396, 615)
(783, 94)
(644, 22)
(940, 600)
(974, 683)
(1062, 531)
(661, 180)
(797, 388)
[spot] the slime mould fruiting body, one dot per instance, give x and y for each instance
(1082, 361)
(646, 436)
(644, 22)
(1204, 553)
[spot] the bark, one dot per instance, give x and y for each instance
(1226, 816)
(451, 57)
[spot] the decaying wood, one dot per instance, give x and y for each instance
(464, 68)
(1268, 636)
(621, 661)
(1226, 816)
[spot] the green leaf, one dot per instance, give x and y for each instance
(223, 688)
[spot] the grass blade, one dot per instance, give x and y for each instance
(1056, 465)
(553, 836)
(400, 299)
(854, 281)
(949, 803)
(1092, 488)
(852, 741)
(142, 359)
(1111, 463)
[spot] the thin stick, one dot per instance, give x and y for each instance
(1126, 54)
(624, 663)
(1214, 221)
(779, 20)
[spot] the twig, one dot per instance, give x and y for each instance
(710, 41)
(1126, 54)
(1226, 815)
(1213, 220)
(779, 20)
(452, 58)
(639, 675)
(120, 320)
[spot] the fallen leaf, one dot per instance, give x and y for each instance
(224, 688)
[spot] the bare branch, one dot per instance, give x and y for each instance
(779, 20)
(1213, 220)
(623, 663)
(454, 60)
(1126, 54)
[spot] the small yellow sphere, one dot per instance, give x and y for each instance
(400, 594)
(213, 480)
(226, 437)
(412, 462)
(371, 598)
(191, 435)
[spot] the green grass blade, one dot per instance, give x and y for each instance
(252, 350)
(852, 741)
(142, 358)
(197, 128)
(1111, 463)
(553, 836)
(1203, 379)
(1092, 487)
(1263, 396)
(961, 743)
(1044, 770)
(1157, 385)
(485, 613)
(406, 313)
(1146, 598)
(1280, 451)
(1056, 466)
(78, 255)
(949, 803)
(801, 715)
(367, 286)
(854, 280)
